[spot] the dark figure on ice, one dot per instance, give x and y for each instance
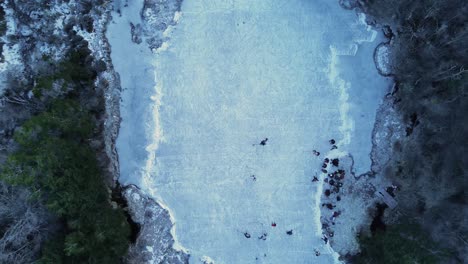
(253, 177)
(263, 237)
(263, 142)
(315, 179)
(247, 235)
(336, 162)
(290, 232)
(332, 141)
(316, 153)
(325, 239)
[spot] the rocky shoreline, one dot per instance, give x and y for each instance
(349, 201)
(348, 211)
(154, 241)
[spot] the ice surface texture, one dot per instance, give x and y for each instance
(234, 73)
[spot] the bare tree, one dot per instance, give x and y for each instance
(22, 225)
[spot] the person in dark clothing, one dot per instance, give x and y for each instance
(247, 235)
(263, 237)
(336, 162)
(332, 141)
(315, 179)
(339, 176)
(263, 142)
(290, 232)
(316, 153)
(325, 239)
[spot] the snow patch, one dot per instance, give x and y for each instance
(382, 59)
(177, 16)
(12, 61)
(207, 260)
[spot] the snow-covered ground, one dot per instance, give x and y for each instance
(10, 59)
(230, 74)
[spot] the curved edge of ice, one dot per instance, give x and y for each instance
(157, 135)
(347, 125)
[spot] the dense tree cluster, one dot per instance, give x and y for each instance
(430, 66)
(404, 243)
(64, 212)
(54, 160)
(431, 37)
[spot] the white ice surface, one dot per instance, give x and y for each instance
(235, 72)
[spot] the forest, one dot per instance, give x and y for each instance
(429, 66)
(65, 210)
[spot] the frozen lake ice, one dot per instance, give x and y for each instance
(236, 72)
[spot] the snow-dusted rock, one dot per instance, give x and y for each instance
(382, 58)
(155, 242)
